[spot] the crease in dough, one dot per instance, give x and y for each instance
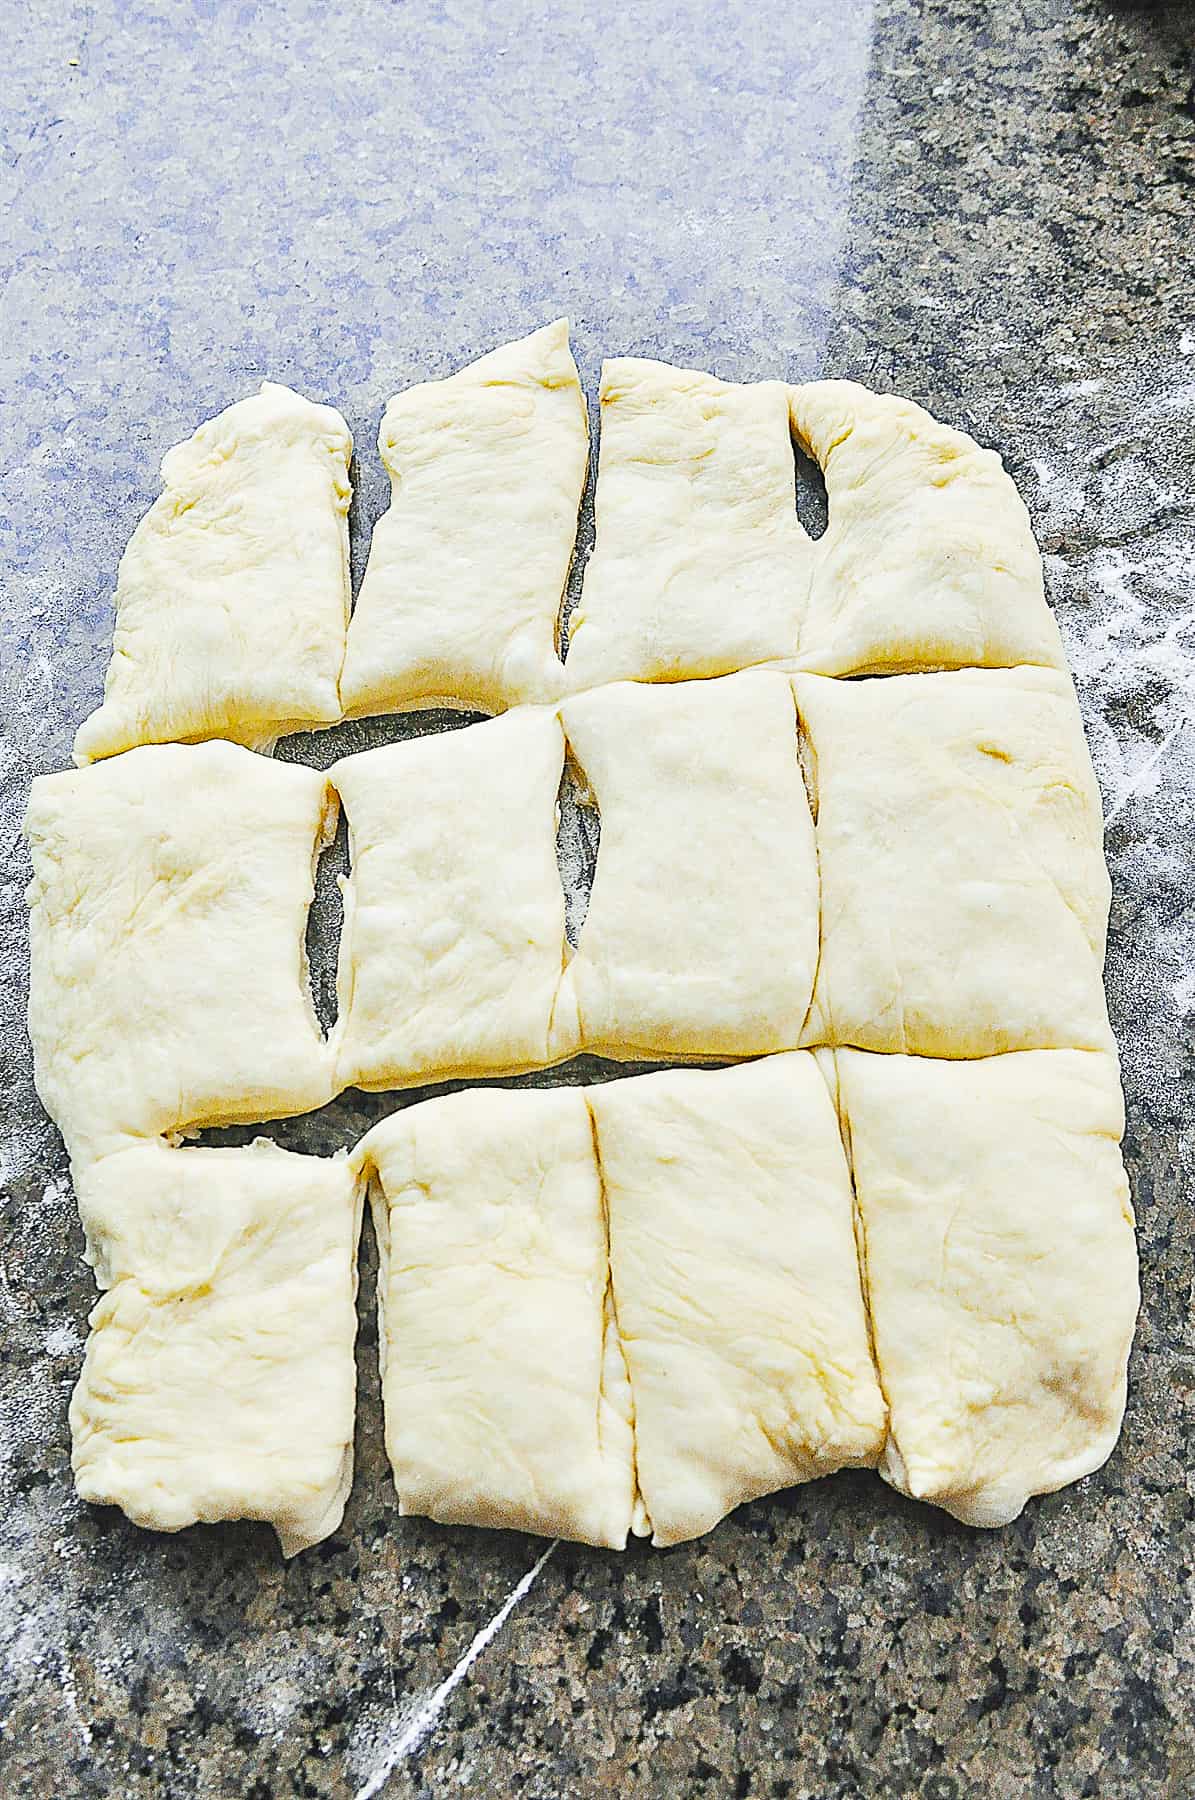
(700, 566)
(168, 914)
(1001, 1267)
(219, 1379)
(232, 598)
(467, 570)
(928, 561)
(706, 861)
(964, 892)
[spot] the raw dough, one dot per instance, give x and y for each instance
(701, 935)
(467, 569)
(964, 891)
(1000, 1265)
(219, 1380)
(736, 1286)
(505, 1393)
(453, 937)
(928, 561)
(233, 595)
(701, 566)
(168, 983)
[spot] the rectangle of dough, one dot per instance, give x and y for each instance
(700, 566)
(736, 1285)
(233, 595)
(505, 1393)
(1000, 1266)
(928, 560)
(701, 935)
(219, 1380)
(960, 840)
(453, 938)
(462, 595)
(168, 909)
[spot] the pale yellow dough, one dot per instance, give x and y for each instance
(233, 595)
(168, 908)
(466, 571)
(505, 1393)
(1000, 1266)
(700, 566)
(453, 937)
(736, 1286)
(219, 1379)
(701, 935)
(928, 561)
(964, 892)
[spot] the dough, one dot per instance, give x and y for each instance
(964, 892)
(505, 1393)
(467, 569)
(928, 561)
(219, 1380)
(736, 1285)
(233, 595)
(168, 983)
(453, 938)
(701, 935)
(1000, 1265)
(701, 566)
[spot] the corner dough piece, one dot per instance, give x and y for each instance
(1001, 1269)
(466, 572)
(928, 561)
(736, 1286)
(964, 891)
(505, 1393)
(701, 566)
(168, 983)
(219, 1380)
(233, 595)
(453, 938)
(701, 936)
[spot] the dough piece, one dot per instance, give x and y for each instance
(233, 595)
(453, 939)
(168, 909)
(505, 1393)
(701, 936)
(219, 1380)
(928, 561)
(999, 1258)
(736, 1286)
(964, 892)
(701, 565)
(467, 569)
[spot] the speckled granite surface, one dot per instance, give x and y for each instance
(988, 206)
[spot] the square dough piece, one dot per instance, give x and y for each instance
(701, 935)
(168, 909)
(505, 1393)
(964, 891)
(1000, 1265)
(928, 561)
(701, 566)
(736, 1286)
(233, 595)
(219, 1380)
(462, 594)
(453, 938)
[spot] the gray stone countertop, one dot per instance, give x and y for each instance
(986, 206)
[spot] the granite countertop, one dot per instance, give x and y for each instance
(987, 206)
